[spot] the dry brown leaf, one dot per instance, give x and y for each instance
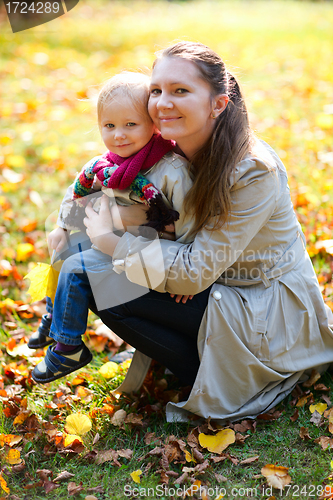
(240, 439)
(198, 455)
(325, 442)
(96, 438)
(44, 474)
(326, 399)
(295, 415)
(249, 460)
(50, 486)
(316, 418)
(73, 489)
(118, 418)
(125, 453)
(321, 387)
(304, 434)
(105, 456)
(63, 476)
(150, 438)
(83, 393)
(303, 400)
(243, 426)
(276, 475)
(313, 379)
(219, 478)
(134, 419)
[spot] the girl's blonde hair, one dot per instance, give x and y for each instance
(230, 142)
(135, 86)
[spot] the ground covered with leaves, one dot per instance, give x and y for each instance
(73, 437)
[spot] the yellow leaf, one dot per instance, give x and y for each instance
(218, 442)
(109, 369)
(50, 153)
(44, 281)
(320, 408)
(16, 161)
(135, 475)
(9, 439)
(78, 423)
(20, 418)
(24, 251)
(70, 438)
(3, 484)
(125, 364)
(324, 121)
(13, 457)
(189, 457)
(277, 476)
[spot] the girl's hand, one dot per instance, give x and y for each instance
(97, 183)
(57, 239)
(182, 298)
(98, 225)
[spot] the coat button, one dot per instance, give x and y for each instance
(217, 295)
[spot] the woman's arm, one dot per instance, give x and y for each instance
(191, 268)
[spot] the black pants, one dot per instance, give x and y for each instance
(161, 328)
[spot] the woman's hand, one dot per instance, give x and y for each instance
(131, 217)
(100, 227)
(182, 298)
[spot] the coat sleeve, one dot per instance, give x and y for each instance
(173, 267)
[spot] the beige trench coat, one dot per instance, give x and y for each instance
(266, 325)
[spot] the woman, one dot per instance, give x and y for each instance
(257, 323)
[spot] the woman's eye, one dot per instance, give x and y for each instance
(181, 91)
(131, 124)
(155, 91)
(109, 125)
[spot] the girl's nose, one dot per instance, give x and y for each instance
(119, 134)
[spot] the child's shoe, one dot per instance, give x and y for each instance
(58, 364)
(41, 338)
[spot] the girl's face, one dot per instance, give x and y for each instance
(181, 104)
(125, 130)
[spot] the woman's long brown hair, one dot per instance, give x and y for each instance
(214, 164)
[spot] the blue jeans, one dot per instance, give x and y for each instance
(150, 321)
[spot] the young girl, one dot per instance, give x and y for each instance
(139, 166)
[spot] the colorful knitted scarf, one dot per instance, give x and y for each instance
(116, 172)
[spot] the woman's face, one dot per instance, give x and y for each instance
(181, 103)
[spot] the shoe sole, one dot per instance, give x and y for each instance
(62, 374)
(39, 346)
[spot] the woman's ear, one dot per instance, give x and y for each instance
(219, 104)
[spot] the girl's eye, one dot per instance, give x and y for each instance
(181, 91)
(109, 125)
(131, 124)
(155, 91)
